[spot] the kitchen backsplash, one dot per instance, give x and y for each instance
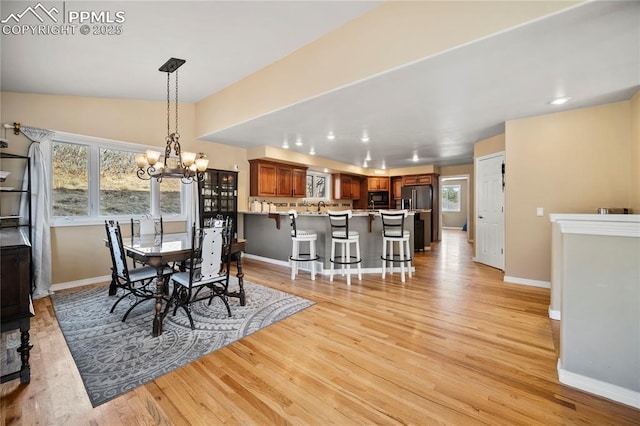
(267, 204)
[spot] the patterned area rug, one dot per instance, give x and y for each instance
(114, 357)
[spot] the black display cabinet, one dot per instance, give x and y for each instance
(218, 194)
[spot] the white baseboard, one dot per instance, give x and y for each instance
(80, 283)
(526, 281)
(598, 387)
(554, 315)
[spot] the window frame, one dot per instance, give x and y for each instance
(94, 217)
(327, 189)
(443, 188)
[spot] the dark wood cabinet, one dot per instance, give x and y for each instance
(269, 179)
(16, 272)
(218, 194)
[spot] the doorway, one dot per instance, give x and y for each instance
(490, 210)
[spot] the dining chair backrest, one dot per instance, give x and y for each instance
(147, 226)
(210, 253)
(114, 237)
(339, 221)
(393, 222)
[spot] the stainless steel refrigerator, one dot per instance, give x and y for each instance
(419, 197)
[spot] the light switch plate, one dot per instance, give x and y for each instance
(539, 211)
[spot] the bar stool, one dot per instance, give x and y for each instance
(298, 236)
(393, 231)
(342, 236)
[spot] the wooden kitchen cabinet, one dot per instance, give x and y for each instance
(346, 187)
(270, 179)
(299, 181)
(378, 183)
(396, 184)
(416, 180)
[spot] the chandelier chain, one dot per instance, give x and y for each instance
(168, 107)
(177, 103)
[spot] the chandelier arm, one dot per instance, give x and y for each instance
(143, 174)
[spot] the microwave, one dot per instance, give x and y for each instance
(379, 199)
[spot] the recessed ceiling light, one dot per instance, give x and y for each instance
(298, 141)
(365, 164)
(331, 136)
(384, 166)
(560, 101)
(415, 157)
(368, 157)
(364, 138)
(285, 145)
(312, 151)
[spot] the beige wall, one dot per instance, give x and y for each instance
(568, 162)
(489, 146)
(389, 36)
(79, 252)
(634, 155)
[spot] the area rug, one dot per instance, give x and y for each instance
(114, 357)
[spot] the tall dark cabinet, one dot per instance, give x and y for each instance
(15, 262)
(219, 196)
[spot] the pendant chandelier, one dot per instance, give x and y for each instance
(176, 163)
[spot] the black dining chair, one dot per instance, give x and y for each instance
(208, 267)
(135, 283)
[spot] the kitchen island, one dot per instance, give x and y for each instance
(269, 237)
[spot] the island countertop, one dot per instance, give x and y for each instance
(269, 235)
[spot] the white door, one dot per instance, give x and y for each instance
(490, 210)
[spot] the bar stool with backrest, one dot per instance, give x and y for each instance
(302, 236)
(342, 236)
(393, 232)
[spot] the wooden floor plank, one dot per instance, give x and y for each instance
(453, 344)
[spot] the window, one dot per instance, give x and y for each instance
(450, 198)
(318, 185)
(93, 179)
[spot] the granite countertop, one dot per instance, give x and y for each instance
(324, 213)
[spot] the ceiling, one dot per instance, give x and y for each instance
(434, 109)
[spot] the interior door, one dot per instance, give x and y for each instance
(490, 210)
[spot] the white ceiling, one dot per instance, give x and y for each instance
(436, 108)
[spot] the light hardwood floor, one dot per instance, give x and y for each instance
(453, 345)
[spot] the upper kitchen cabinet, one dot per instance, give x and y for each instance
(269, 179)
(417, 180)
(346, 187)
(378, 183)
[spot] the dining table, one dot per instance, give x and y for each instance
(161, 250)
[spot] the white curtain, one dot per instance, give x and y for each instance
(39, 152)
